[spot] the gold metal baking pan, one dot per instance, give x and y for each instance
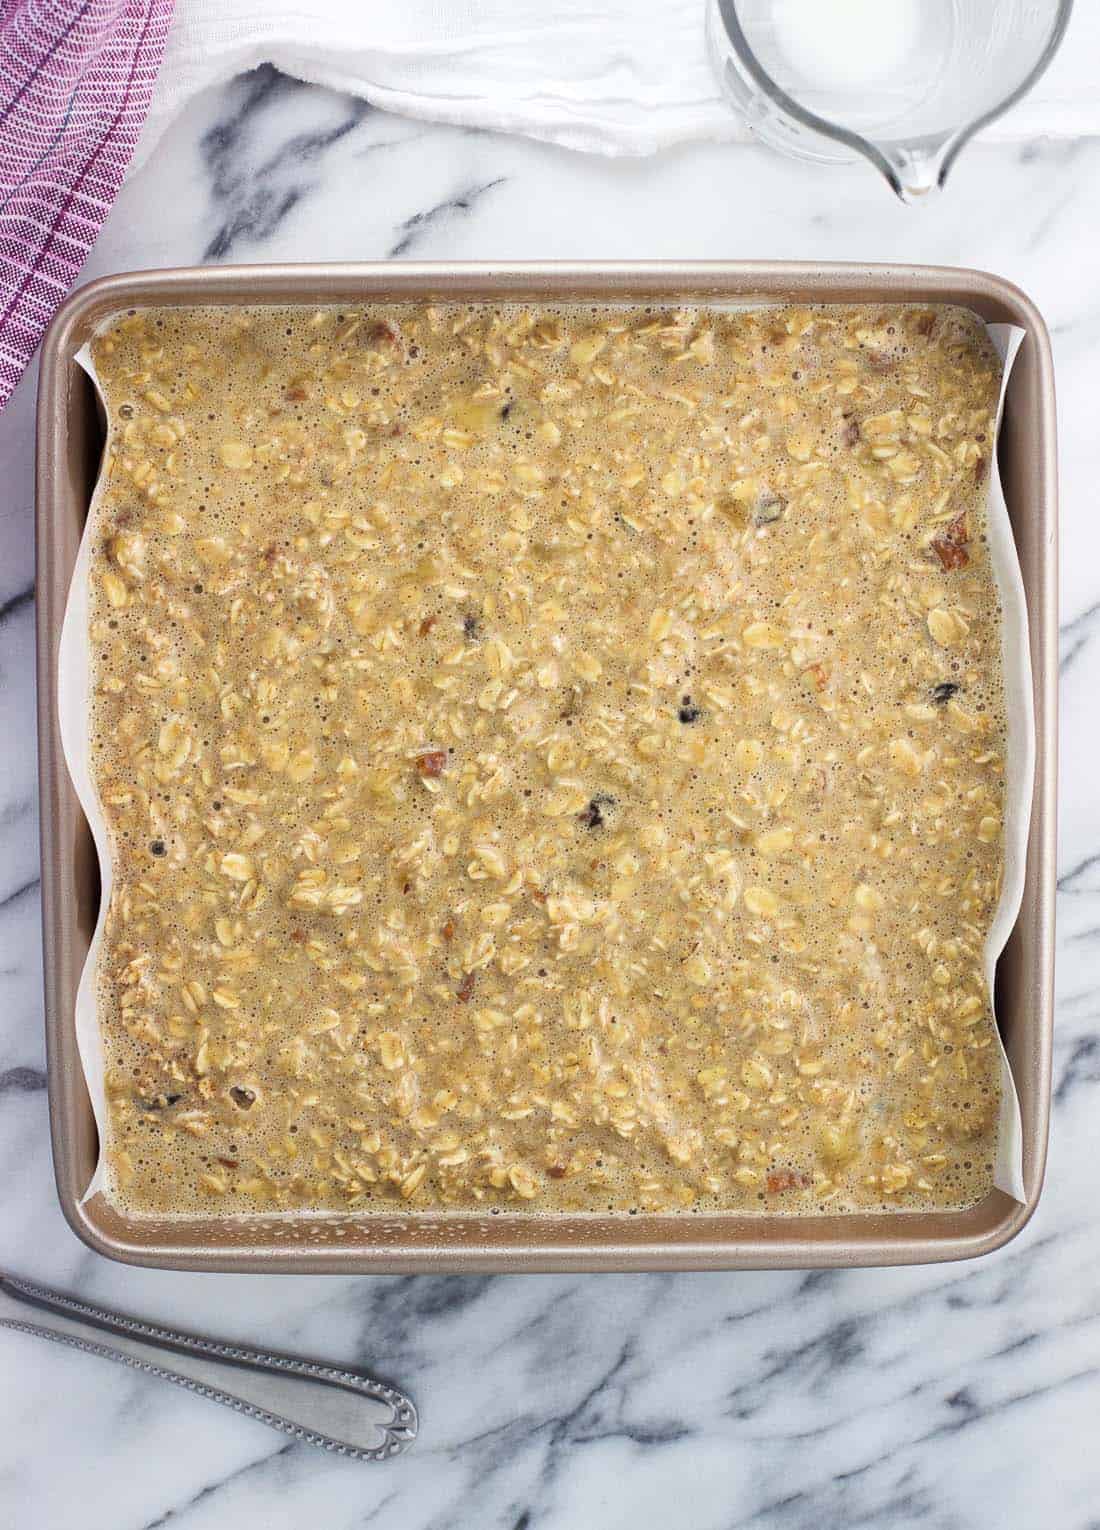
(70, 438)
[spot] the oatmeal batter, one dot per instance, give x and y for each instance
(553, 758)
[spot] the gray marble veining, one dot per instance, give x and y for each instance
(958, 1397)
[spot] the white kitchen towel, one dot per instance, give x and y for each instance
(606, 76)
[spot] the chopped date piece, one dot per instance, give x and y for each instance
(448, 930)
(881, 361)
(689, 712)
(926, 323)
(555, 1171)
(979, 470)
(942, 693)
(851, 433)
(379, 334)
(951, 545)
(427, 624)
(786, 1179)
(466, 988)
(228, 1163)
(431, 763)
(950, 554)
(296, 395)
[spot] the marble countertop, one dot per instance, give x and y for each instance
(951, 1397)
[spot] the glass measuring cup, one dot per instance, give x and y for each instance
(906, 83)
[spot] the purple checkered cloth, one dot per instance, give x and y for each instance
(75, 81)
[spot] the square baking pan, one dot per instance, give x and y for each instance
(70, 442)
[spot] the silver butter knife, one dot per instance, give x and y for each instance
(342, 1411)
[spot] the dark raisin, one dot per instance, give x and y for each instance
(470, 626)
(126, 411)
(158, 847)
(592, 816)
(506, 411)
(689, 712)
(942, 693)
(160, 1102)
(242, 1097)
(850, 434)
